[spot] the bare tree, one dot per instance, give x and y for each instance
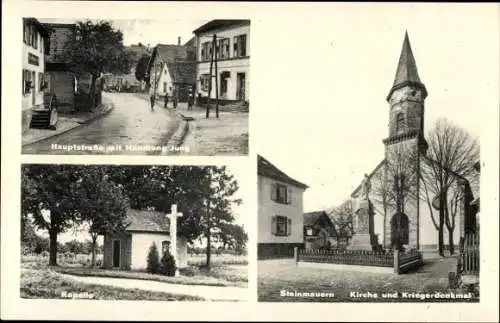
(451, 156)
(342, 217)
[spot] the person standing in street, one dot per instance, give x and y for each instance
(152, 100)
(166, 100)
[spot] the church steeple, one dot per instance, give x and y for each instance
(406, 73)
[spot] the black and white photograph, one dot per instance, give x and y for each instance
(123, 232)
(135, 87)
(384, 204)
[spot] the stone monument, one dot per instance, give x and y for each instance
(363, 219)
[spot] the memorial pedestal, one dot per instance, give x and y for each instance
(363, 227)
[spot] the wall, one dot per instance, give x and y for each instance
(62, 83)
(164, 76)
(232, 65)
(125, 260)
(27, 99)
(141, 242)
(269, 208)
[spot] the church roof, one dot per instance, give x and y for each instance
(266, 169)
(406, 72)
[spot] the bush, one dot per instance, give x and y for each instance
(152, 260)
(168, 265)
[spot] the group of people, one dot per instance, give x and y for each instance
(190, 100)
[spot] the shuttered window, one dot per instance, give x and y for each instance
(281, 225)
(281, 193)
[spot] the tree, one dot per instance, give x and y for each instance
(168, 265)
(380, 194)
(342, 216)
(141, 68)
(98, 49)
(219, 187)
(234, 236)
(451, 156)
(153, 264)
(101, 203)
(75, 246)
(47, 195)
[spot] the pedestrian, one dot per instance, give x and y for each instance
(152, 99)
(166, 100)
(190, 101)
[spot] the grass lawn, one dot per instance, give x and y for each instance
(275, 276)
(48, 284)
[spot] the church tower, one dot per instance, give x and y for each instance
(404, 145)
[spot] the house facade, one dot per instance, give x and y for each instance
(233, 59)
(319, 231)
(60, 80)
(280, 211)
(129, 248)
(172, 69)
(35, 38)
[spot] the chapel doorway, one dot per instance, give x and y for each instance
(240, 86)
(116, 253)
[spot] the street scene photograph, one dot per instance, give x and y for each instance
(135, 87)
(122, 232)
(383, 205)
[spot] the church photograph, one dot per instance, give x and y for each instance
(394, 169)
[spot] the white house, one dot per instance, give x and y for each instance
(233, 59)
(129, 249)
(280, 212)
(172, 67)
(34, 47)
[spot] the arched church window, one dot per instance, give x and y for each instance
(400, 122)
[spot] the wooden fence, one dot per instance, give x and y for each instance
(408, 260)
(470, 255)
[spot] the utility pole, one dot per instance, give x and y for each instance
(210, 78)
(216, 83)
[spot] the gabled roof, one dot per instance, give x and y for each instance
(182, 72)
(310, 218)
(39, 27)
(191, 42)
(220, 23)
(171, 54)
(266, 169)
(406, 72)
(146, 221)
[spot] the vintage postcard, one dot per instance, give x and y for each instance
(130, 191)
(135, 87)
(132, 232)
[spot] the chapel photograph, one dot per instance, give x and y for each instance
(380, 201)
(135, 87)
(121, 232)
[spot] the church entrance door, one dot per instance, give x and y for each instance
(399, 229)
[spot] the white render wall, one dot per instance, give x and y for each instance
(269, 208)
(232, 65)
(141, 242)
(27, 98)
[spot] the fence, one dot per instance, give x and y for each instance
(470, 255)
(400, 261)
(347, 257)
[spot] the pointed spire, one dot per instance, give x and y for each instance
(407, 68)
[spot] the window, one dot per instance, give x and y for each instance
(206, 51)
(400, 122)
(223, 48)
(27, 81)
(165, 245)
(309, 231)
(204, 81)
(281, 194)
(240, 46)
(30, 35)
(281, 225)
(224, 76)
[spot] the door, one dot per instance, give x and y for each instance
(33, 88)
(116, 253)
(240, 86)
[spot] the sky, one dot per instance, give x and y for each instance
(322, 97)
(148, 31)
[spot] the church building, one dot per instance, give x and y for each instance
(406, 217)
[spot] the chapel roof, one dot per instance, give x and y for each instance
(146, 221)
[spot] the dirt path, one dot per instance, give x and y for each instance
(210, 293)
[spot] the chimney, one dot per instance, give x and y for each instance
(179, 40)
